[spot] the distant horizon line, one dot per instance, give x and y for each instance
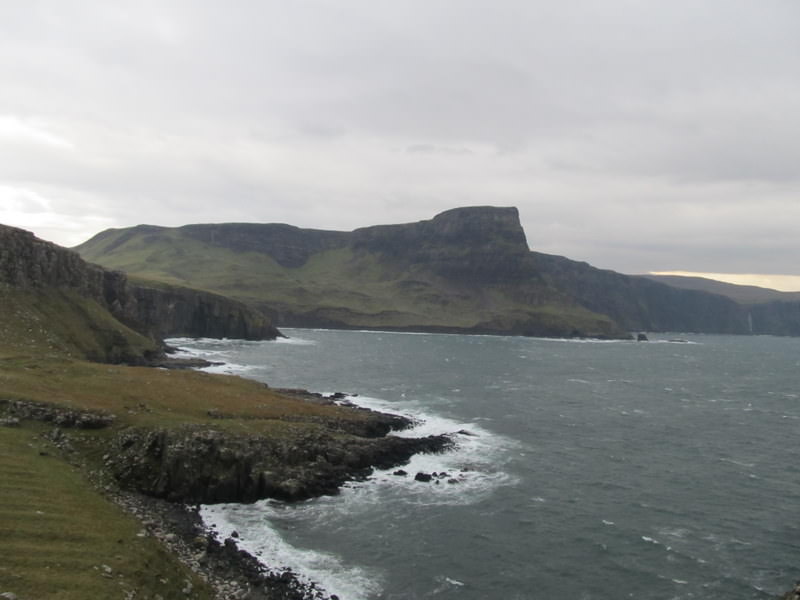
(773, 281)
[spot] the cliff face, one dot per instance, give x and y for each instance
(290, 246)
(774, 318)
(638, 303)
(115, 308)
(642, 303)
(465, 270)
(27, 262)
(176, 311)
(476, 245)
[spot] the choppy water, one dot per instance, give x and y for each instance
(599, 470)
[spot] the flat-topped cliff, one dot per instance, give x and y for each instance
(465, 270)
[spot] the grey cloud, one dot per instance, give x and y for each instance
(598, 119)
(434, 149)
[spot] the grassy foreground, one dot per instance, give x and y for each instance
(57, 529)
(60, 537)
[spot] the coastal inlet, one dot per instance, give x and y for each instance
(596, 470)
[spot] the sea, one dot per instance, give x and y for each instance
(666, 469)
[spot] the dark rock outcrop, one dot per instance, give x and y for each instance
(794, 594)
(176, 311)
(59, 416)
(27, 263)
(476, 245)
(206, 465)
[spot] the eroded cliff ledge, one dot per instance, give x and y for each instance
(104, 314)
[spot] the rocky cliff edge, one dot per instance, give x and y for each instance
(40, 276)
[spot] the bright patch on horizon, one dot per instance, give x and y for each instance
(782, 283)
(14, 128)
(30, 210)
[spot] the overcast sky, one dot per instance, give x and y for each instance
(635, 135)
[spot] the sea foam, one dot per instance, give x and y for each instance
(468, 473)
(259, 537)
(475, 464)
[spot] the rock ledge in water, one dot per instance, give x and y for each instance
(204, 465)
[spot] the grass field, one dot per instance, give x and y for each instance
(62, 540)
(59, 322)
(59, 536)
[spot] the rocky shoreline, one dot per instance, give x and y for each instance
(232, 573)
(161, 475)
(196, 464)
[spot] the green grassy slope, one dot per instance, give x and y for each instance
(60, 537)
(62, 540)
(54, 321)
(344, 286)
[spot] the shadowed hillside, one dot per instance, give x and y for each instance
(743, 294)
(91, 312)
(465, 270)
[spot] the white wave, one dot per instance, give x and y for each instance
(370, 331)
(213, 350)
(655, 542)
(296, 341)
(582, 340)
(211, 342)
(229, 369)
(651, 540)
(445, 584)
(207, 348)
(181, 341)
(628, 341)
(738, 463)
(190, 352)
(676, 533)
(211, 347)
(470, 472)
(467, 474)
(260, 538)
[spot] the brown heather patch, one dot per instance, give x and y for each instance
(144, 396)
